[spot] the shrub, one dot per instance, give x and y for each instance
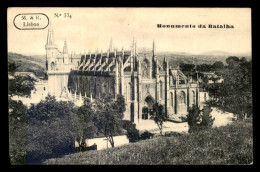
(172, 134)
(132, 132)
(193, 118)
(198, 121)
(146, 135)
(206, 119)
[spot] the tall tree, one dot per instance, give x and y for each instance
(110, 113)
(193, 118)
(159, 115)
(86, 128)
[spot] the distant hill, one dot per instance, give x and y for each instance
(34, 64)
(223, 53)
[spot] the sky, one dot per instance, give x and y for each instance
(90, 29)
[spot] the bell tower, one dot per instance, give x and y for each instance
(51, 49)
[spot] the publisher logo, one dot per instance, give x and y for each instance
(31, 21)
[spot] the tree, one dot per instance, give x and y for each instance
(235, 93)
(204, 67)
(199, 119)
(109, 116)
(193, 118)
(86, 128)
(232, 60)
(20, 85)
(206, 118)
(186, 67)
(51, 130)
(12, 67)
(159, 115)
(132, 133)
(218, 65)
(17, 132)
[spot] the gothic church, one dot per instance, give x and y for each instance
(141, 77)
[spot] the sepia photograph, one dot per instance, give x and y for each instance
(130, 86)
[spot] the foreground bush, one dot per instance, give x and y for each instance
(51, 130)
(232, 144)
(131, 132)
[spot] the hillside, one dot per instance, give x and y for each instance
(182, 57)
(231, 144)
(34, 64)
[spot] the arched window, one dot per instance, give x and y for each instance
(52, 66)
(146, 69)
(182, 99)
(171, 99)
(193, 97)
(161, 89)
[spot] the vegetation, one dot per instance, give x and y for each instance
(132, 133)
(51, 130)
(103, 118)
(35, 64)
(109, 115)
(231, 144)
(235, 93)
(17, 132)
(86, 128)
(20, 86)
(199, 119)
(159, 115)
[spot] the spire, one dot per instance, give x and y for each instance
(115, 52)
(65, 48)
(110, 45)
(50, 38)
(139, 68)
(153, 48)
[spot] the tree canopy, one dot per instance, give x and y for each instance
(51, 130)
(159, 115)
(110, 114)
(235, 93)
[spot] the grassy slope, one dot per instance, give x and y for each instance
(27, 63)
(232, 144)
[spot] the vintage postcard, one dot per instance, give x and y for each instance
(130, 86)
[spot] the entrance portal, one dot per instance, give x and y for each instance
(149, 100)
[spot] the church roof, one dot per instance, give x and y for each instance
(98, 67)
(112, 67)
(127, 69)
